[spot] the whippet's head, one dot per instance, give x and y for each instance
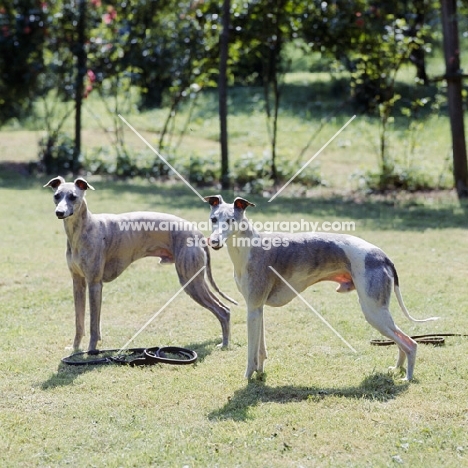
(68, 196)
(227, 219)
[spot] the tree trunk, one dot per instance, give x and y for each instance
(80, 74)
(453, 76)
(222, 89)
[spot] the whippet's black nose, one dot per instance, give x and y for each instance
(214, 244)
(60, 214)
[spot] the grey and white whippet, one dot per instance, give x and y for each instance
(100, 248)
(303, 259)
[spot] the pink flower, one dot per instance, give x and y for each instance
(91, 76)
(110, 16)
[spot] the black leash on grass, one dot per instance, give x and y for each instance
(436, 339)
(133, 357)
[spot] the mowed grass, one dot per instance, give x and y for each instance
(320, 404)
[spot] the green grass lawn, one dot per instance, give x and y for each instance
(320, 405)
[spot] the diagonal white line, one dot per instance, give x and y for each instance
(312, 309)
(160, 157)
(161, 309)
(312, 158)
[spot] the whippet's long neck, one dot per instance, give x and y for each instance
(239, 246)
(75, 224)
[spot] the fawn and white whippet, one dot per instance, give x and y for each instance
(303, 259)
(99, 250)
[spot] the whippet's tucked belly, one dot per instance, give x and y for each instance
(309, 259)
(282, 293)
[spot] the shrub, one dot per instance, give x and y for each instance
(203, 170)
(57, 155)
(103, 161)
(252, 174)
(398, 178)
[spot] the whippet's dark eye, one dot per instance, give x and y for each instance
(57, 196)
(214, 220)
(72, 197)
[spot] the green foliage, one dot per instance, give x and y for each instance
(126, 164)
(22, 36)
(250, 173)
(57, 155)
(372, 41)
(253, 174)
(260, 31)
(396, 178)
(162, 48)
(203, 170)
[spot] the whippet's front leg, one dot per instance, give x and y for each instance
(79, 297)
(95, 301)
(256, 353)
(262, 351)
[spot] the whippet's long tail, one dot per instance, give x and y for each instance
(212, 281)
(396, 288)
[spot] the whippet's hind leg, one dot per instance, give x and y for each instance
(379, 317)
(188, 263)
(198, 290)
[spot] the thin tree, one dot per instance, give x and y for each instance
(80, 74)
(222, 89)
(454, 77)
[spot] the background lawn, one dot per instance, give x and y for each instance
(320, 405)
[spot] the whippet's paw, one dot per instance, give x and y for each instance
(256, 376)
(77, 343)
(75, 349)
(249, 372)
(260, 376)
(93, 346)
(395, 371)
(223, 347)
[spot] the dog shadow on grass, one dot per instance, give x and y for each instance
(66, 374)
(376, 387)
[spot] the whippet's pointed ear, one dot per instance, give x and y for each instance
(242, 203)
(82, 184)
(214, 200)
(55, 182)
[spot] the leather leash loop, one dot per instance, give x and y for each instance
(133, 357)
(436, 339)
(82, 358)
(184, 356)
